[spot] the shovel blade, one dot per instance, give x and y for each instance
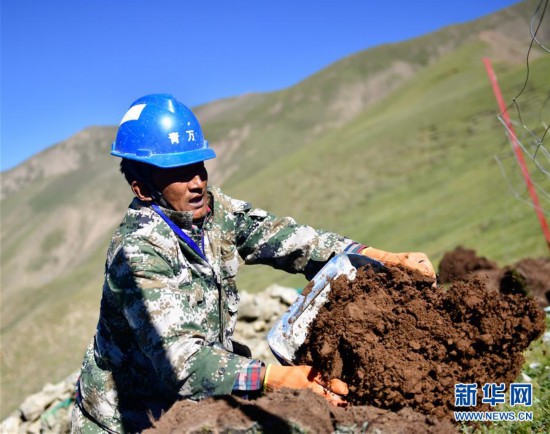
(291, 330)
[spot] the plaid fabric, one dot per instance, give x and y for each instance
(249, 377)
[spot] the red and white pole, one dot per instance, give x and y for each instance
(517, 149)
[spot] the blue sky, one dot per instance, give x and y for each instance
(69, 64)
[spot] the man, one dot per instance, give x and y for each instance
(169, 302)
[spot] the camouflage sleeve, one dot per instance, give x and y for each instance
(168, 325)
(263, 238)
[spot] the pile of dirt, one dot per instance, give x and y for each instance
(401, 345)
(533, 273)
(399, 342)
(460, 262)
(291, 411)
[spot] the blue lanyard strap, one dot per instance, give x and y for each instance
(179, 232)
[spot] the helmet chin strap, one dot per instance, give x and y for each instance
(155, 193)
(157, 196)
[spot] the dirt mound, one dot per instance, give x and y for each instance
(460, 262)
(532, 273)
(536, 274)
(291, 411)
(401, 345)
(399, 342)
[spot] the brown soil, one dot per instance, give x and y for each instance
(401, 345)
(536, 274)
(398, 342)
(290, 411)
(533, 273)
(458, 263)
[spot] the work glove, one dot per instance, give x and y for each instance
(412, 260)
(305, 377)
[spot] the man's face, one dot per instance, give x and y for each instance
(184, 188)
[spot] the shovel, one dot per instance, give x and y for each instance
(290, 331)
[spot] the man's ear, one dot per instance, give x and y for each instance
(141, 191)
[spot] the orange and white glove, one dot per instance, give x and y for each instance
(412, 260)
(305, 377)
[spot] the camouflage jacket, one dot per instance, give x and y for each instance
(167, 316)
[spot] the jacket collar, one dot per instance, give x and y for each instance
(183, 219)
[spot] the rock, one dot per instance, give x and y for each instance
(35, 404)
(283, 293)
(264, 352)
(248, 307)
(259, 326)
(58, 418)
(45, 412)
(11, 424)
(33, 428)
(270, 309)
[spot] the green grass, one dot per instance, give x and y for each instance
(537, 368)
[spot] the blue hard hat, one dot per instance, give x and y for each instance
(157, 129)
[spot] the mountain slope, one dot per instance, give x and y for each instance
(393, 146)
(415, 172)
(283, 121)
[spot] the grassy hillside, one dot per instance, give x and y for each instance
(415, 172)
(266, 129)
(393, 147)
